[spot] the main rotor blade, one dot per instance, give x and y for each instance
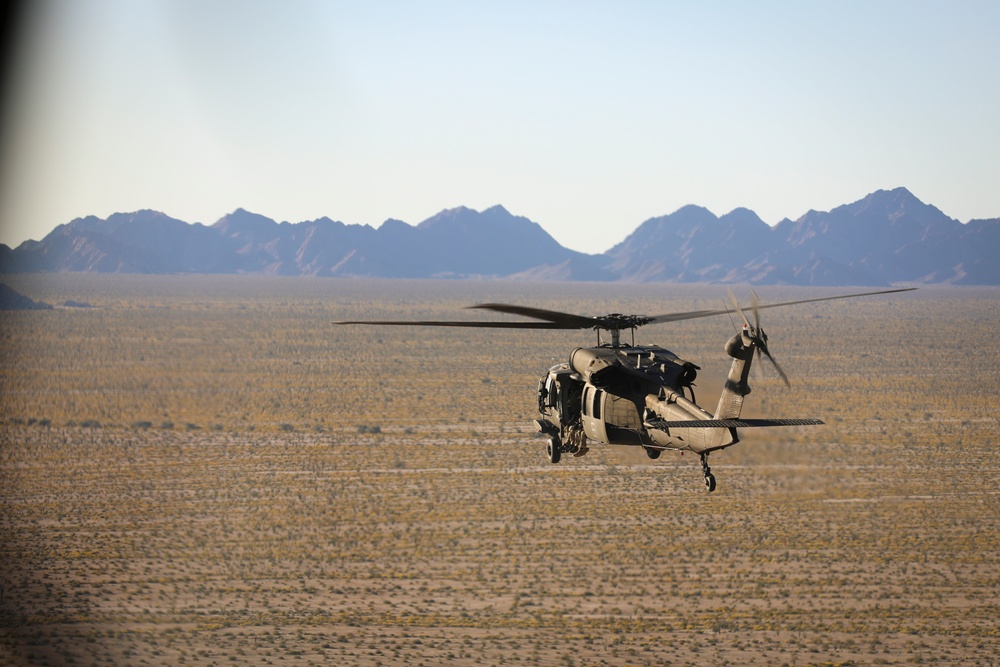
(572, 321)
(470, 324)
(554, 319)
(831, 298)
(675, 317)
(558, 320)
(691, 315)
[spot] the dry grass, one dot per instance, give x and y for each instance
(279, 532)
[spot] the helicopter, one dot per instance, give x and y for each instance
(619, 393)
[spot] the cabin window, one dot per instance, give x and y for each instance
(551, 391)
(598, 396)
(586, 401)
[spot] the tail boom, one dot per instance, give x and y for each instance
(674, 422)
(740, 348)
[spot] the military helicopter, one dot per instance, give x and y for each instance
(620, 393)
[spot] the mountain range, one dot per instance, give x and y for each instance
(888, 237)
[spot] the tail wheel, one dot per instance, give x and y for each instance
(653, 453)
(554, 450)
(709, 477)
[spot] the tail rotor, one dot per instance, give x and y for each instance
(755, 333)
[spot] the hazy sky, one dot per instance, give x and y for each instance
(587, 117)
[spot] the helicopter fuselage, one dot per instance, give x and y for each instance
(624, 395)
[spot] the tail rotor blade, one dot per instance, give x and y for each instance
(762, 349)
(736, 305)
(777, 367)
(755, 306)
(757, 369)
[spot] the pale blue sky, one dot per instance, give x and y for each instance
(587, 117)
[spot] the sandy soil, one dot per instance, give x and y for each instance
(192, 477)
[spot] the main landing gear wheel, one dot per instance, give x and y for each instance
(653, 453)
(710, 482)
(554, 450)
(709, 477)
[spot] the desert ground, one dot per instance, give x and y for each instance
(206, 471)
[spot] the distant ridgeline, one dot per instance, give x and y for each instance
(11, 299)
(886, 238)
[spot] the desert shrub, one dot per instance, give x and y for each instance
(806, 545)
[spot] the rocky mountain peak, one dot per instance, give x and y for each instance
(889, 236)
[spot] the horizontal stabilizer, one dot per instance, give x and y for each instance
(729, 423)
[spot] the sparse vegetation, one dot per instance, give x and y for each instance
(408, 515)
